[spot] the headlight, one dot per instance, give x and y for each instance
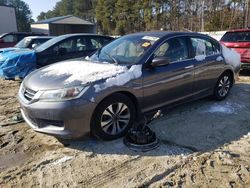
(63, 94)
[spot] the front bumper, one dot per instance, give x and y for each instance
(68, 119)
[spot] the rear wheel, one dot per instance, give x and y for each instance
(113, 117)
(223, 86)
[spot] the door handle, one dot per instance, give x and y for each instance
(189, 67)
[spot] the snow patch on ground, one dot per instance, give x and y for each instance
(227, 108)
(83, 71)
(134, 72)
(62, 160)
(231, 57)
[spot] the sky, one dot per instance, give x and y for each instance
(38, 6)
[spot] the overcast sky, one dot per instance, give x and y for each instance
(38, 6)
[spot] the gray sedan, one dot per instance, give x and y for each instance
(136, 73)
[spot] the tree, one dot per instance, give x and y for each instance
(23, 13)
(122, 17)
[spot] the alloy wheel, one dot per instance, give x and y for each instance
(224, 86)
(115, 118)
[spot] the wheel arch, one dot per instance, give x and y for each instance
(131, 96)
(231, 74)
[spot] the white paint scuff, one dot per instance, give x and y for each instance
(231, 57)
(62, 160)
(134, 72)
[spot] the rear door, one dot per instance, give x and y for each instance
(208, 63)
(173, 82)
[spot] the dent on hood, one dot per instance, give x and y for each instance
(87, 72)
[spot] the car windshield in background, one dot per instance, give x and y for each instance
(49, 43)
(243, 36)
(2, 35)
(125, 50)
(24, 43)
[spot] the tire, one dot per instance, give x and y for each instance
(113, 117)
(223, 86)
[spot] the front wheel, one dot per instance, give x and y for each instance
(223, 86)
(113, 117)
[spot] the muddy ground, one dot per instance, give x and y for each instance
(203, 144)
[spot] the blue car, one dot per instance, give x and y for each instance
(20, 62)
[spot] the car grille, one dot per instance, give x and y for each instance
(28, 94)
(42, 123)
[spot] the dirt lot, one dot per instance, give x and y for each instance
(203, 144)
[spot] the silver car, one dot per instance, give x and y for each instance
(136, 73)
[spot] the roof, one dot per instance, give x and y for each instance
(69, 19)
(161, 34)
(24, 33)
(39, 37)
(9, 6)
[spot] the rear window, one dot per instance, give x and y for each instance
(236, 37)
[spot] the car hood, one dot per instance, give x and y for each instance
(73, 73)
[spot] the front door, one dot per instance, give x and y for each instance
(169, 83)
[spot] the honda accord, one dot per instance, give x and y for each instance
(140, 72)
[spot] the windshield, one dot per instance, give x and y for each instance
(125, 50)
(236, 37)
(49, 43)
(24, 43)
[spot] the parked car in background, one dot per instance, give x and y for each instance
(239, 40)
(138, 72)
(19, 63)
(11, 39)
(33, 41)
(28, 42)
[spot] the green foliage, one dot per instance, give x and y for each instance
(118, 17)
(81, 8)
(23, 13)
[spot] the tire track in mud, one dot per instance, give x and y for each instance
(140, 165)
(100, 180)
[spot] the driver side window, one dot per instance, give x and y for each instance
(173, 49)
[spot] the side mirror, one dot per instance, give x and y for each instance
(1, 41)
(160, 61)
(61, 51)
